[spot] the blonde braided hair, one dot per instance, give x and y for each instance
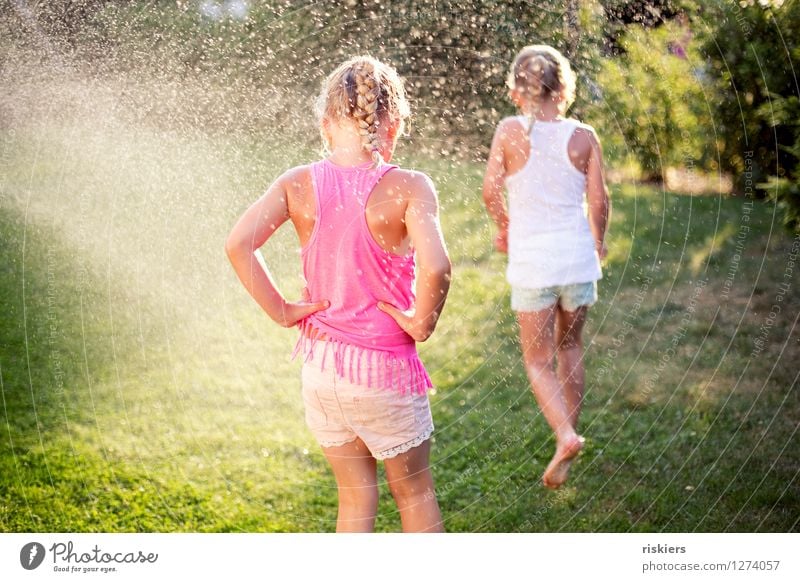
(366, 111)
(540, 72)
(368, 92)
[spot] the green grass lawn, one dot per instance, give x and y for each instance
(143, 390)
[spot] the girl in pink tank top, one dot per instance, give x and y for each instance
(377, 275)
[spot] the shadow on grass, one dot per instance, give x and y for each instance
(700, 443)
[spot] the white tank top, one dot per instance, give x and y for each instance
(549, 239)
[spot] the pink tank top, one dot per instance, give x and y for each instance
(344, 264)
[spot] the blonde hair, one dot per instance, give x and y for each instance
(367, 91)
(540, 72)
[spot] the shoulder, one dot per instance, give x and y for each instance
(584, 138)
(409, 181)
(295, 177)
(297, 183)
(509, 126)
(298, 186)
(584, 132)
(409, 186)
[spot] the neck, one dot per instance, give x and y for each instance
(347, 150)
(547, 111)
(348, 156)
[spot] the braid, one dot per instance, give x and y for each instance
(533, 84)
(366, 110)
(368, 93)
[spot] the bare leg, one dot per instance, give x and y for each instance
(538, 351)
(569, 326)
(356, 477)
(411, 483)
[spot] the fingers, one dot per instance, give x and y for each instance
(299, 311)
(305, 295)
(401, 317)
(309, 308)
(391, 310)
(406, 321)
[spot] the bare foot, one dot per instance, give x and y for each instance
(556, 473)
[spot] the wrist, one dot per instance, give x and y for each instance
(281, 314)
(422, 327)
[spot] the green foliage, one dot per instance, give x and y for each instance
(654, 108)
(784, 189)
(454, 57)
(753, 63)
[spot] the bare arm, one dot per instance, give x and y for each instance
(597, 196)
(493, 185)
(250, 232)
(433, 264)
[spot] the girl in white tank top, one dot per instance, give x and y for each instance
(553, 230)
(549, 236)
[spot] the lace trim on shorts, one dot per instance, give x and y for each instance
(405, 447)
(327, 444)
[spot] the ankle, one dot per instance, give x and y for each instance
(566, 435)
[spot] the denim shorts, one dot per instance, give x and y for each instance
(389, 421)
(570, 296)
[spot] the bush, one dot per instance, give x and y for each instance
(654, 105)
(753, 70)
(784, 189)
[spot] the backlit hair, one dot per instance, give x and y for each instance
(540, 72)
(368, 92)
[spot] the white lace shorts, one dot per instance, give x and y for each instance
(390, 422)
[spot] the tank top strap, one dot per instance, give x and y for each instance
(374, 178)
(568, 127)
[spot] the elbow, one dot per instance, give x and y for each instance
(437, 269)
(421, 337)
(443, 269)
(489, 196)
(235, 247)
(441, 274)
(422, 333)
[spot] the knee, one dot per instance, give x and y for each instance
(569, 343)
(412, 487)
(539, 362)
(361, 496)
